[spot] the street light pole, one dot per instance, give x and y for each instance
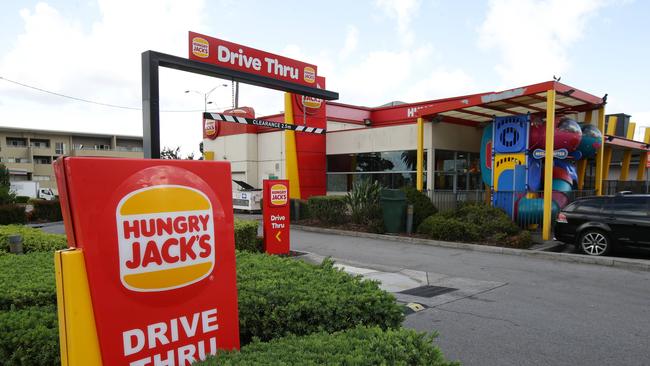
(206, 95)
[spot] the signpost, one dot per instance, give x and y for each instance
(276, 216)
(152, 251)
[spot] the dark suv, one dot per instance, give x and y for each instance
(596, 224)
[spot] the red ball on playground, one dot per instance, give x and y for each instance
(567, 135)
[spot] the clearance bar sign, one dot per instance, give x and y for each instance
(158, 245)
(241, 58)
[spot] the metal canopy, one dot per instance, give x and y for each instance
(482, 108)
(151, 60)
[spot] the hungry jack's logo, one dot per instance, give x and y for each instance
(200, 47)
(165, 238)
(279, 195)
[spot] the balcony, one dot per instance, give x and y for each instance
(113, 153)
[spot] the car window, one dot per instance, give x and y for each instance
(589, 206)
(630, 206)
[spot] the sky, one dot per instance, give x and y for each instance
(371, 52)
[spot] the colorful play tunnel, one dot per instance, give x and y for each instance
(512, 164)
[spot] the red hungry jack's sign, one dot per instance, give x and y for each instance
(276, 216)
(157, 238)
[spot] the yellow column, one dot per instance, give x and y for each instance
(643, 159)
(420, 156)
(291, 156)
(631, 129)
(582, 169)
(612, 121)
(582, 164)
(599, 156)
(607, 161)
(78, 340)
(548, 164)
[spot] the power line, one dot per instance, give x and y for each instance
(88, 100)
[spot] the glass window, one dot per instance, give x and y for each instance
(59, 148)
(589, 206)
(392, 169)
(630, 206)
(457, 171)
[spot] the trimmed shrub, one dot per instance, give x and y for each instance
(12, 214)
(27, 280)
(21, 199)
(29, 337)
(476, 222)
(34, 240)
(277, 296)
(422, 205)
(358, 346)
(47, 210)
(330, 210)
(281, 296)
(246, 235)
(439, 227)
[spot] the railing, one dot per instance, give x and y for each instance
(447, 200)
(526, 208)
(100, 148)
(615, 186)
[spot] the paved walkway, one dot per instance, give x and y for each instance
(508, 310)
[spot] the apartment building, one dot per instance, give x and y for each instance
(29, 153)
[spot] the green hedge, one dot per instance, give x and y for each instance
(422, 205)
(277, 297)
(329, 210)
(47, 210)
(27, 280)
(439, 227)
(12, 214)
(475, 222)
(246, 236)
(358, 346)
(281, 296)
(34, 240)
(29, 337)
(21, 199)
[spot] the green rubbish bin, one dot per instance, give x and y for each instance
(393, 207)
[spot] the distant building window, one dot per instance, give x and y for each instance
(40, 143)
(41, 177)
(59, 148)
(16, 142)
(17, 160)
(42, 159)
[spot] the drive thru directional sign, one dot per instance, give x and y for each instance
(276, 216)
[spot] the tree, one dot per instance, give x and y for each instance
(174, 154)
(5, 186)
(169, 153)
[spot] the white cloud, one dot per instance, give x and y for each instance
(442, 83)
(403, 11)
(351, 42)
(102, 62)
(534, 37)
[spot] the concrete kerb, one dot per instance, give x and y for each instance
(625, 263)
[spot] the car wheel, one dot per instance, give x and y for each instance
(594, 242)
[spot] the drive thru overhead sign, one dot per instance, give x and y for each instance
(241, 58)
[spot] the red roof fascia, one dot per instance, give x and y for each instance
(625, 143)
